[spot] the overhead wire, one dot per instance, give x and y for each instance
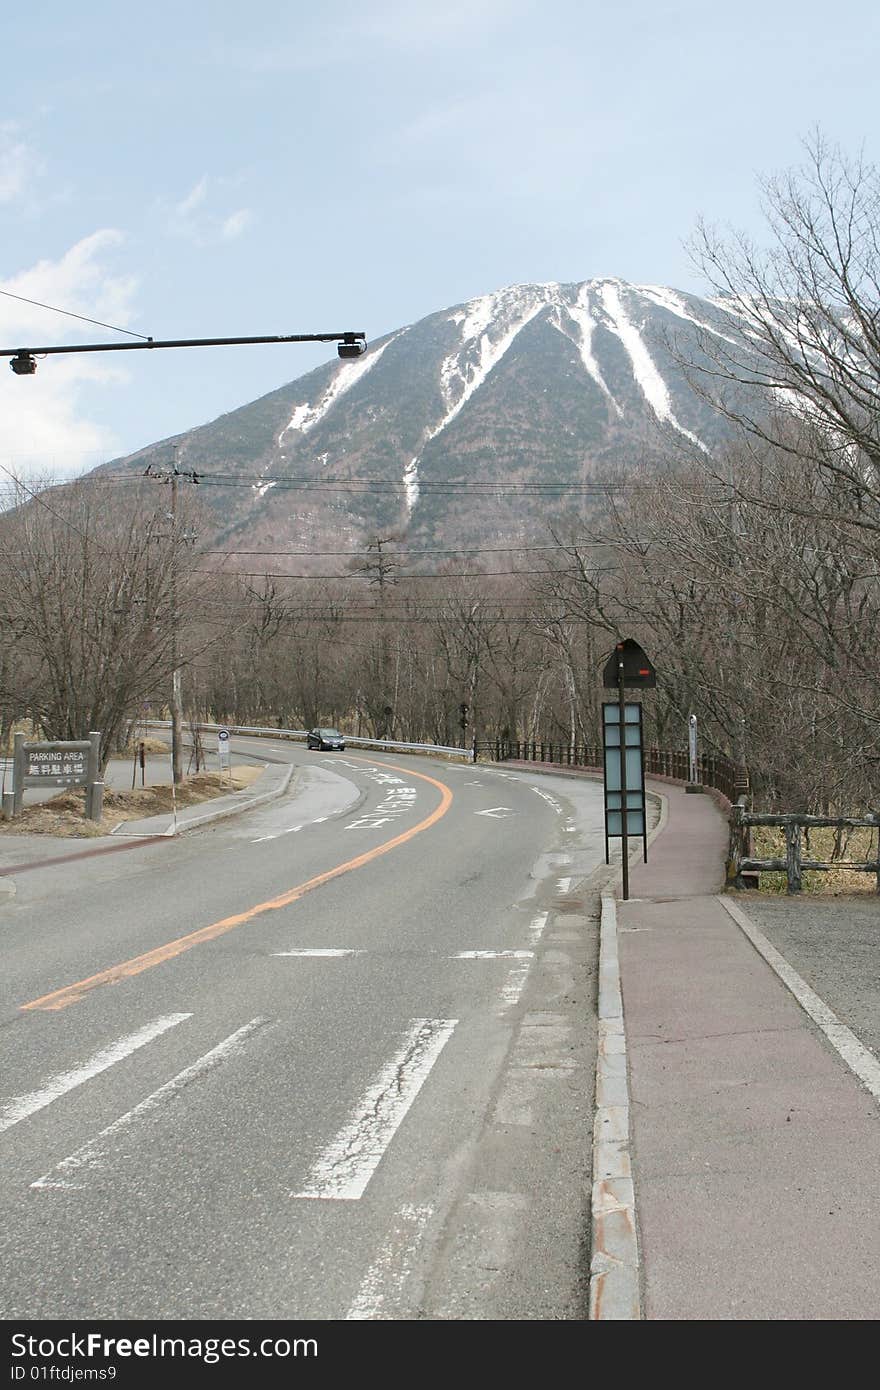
(53, 308)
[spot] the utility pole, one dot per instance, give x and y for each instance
(173, 476)
(382, 570)
(176, 700)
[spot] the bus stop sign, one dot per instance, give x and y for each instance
(638, 669)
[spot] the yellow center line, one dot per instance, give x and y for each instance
(71, 994)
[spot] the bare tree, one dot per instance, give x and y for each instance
(802, 323)
(97, 594)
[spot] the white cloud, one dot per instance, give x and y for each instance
(194, 199)
(394, 27)
(236, 224)
(78, 282)
(18, 164)
(400, 24)
(44, 431)
(46, 428)
(194, 218)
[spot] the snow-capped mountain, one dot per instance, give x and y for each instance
(476, 423)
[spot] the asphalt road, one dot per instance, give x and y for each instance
(331, 1059)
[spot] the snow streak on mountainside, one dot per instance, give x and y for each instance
(581, 319)
(444, 425)
(645, 372)
(488, 327)
(464, 371)
(306, 416)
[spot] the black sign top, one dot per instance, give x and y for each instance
(638, 670)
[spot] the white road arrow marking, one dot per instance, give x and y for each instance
(498, 812)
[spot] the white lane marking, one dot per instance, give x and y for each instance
(518, 974)
(21, 1107)
(857, 1057)
(536, 927)
(513, 985)
(564, 885)
(276, 835)
(346, 1166)
(493, 955)
(90, 1154)
(290, 830)
(384, 1281)
(322, 951)
(551, 800)
(499, 812)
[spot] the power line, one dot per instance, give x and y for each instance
(69, 314)
(367, 484)
(376, 484)
(365, 579)
(35, 497)
(512, 619)
(407, 550)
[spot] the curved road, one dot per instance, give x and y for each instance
(329, 1059)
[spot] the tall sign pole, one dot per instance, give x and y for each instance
(624, 829)
(692, 749)
(627, 666)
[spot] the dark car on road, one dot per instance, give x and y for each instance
(325, 738)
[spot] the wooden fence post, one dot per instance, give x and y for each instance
(734, 853)
(793, 855)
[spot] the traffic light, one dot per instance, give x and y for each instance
(463, 721)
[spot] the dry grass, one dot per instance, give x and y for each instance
(64, 814)
(860, 847)
(151, 745)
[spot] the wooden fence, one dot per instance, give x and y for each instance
(742, 863)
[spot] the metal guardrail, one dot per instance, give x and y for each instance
(712, 771)
(390, 745)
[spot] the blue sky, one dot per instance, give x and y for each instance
(215, 169)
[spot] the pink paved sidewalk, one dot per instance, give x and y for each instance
(755, 1149)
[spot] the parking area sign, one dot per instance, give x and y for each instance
(61, 763)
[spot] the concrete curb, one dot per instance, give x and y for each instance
(614, 1265)
(219, 813)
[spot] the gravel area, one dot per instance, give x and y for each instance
(834, 945)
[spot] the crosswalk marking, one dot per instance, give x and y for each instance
(90, 1154)
(22, 1107)
(346, 1166)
